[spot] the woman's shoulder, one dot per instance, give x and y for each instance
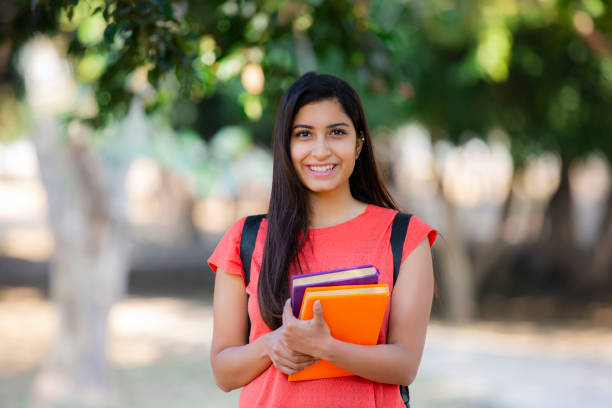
(235, 228)
(378, 211)
(416, 226)
(227, 252)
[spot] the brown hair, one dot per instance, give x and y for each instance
(288, 213)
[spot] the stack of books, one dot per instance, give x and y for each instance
(354, 306)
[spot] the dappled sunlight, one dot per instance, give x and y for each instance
(214, 214)
(590, 185)
(22, 195)
(28, 322)
(18, 160)
(590, 178)
(144, 330)
(527, 338)
(141, 330)
(532, 187)
(30, 243)
(252, 78)
(415, 172)
(475, 177)
(22, 201)
(49, 79)
(24, 233)
(477, 172)
(143, 184)
(500, 364)
(541, 176)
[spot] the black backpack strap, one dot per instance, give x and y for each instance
(247, 245)
(405, 393)
(398, 235)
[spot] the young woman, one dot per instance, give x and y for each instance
(328, 209)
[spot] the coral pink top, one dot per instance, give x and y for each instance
(359, 241)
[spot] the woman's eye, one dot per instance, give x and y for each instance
(303, 133)
(338, 132)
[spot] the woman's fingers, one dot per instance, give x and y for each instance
(288, 367)
(293, 357)
(288, 312)
(299, 358)
(285, 358)
(288, 361)
(294, 365)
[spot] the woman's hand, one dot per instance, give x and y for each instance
(283, 357)
(308, 337)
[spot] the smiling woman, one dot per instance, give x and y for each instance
(328, 210)
(324, 148)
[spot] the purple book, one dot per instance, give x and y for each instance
(356, 275)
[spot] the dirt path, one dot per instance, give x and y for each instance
(515, 365)
(159, 348)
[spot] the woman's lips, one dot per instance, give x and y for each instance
(321, 170)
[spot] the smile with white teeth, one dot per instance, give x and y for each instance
(322, 168)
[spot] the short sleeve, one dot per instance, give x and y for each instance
(417, 231)
(227, 253)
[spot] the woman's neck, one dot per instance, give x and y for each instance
(327, 210)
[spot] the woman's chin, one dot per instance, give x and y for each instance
(322, 189)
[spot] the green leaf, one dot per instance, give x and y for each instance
(109, 33)
(144, 7)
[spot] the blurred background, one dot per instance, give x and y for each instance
(132, 134)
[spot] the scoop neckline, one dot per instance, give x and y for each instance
(341, 225)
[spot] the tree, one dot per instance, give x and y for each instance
(541, 72)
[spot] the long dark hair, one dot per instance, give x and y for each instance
(288, 213)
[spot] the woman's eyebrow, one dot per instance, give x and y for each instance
(328, 126)
(337, 124)
(303, 126)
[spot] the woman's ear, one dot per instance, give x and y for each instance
(360, 142)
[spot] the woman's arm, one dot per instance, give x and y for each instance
(397, 361)
(234, 362)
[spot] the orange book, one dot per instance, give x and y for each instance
(354, 314)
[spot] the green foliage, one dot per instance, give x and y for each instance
(540, 70)
(523, 66)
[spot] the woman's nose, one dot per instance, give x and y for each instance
(320, 149)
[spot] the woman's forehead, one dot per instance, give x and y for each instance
(321, 113)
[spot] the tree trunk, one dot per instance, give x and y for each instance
(488, 255)
(602, 252)
(559, 213)
(88, 217)
(458, 292)
(558, 259)
(557, 248)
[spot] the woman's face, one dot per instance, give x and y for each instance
(324, 146)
